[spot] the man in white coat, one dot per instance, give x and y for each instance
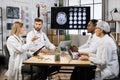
(47, 47)
(37, 31)
(93, 40)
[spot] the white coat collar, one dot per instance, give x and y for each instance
(36, 32)
(19, 39)
(104, 37)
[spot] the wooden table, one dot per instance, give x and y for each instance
(49, 60)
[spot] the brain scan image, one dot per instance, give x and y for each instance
(79, 26)
(75, 22)
(70, 22)
(79, 14)
(79, 22)
(84, 9)
(61, 18)
(75, 26)
(75, 18)
(75, 14)
(80, 9)
(84, 18)
(83, 26)
(70, 26)
(71, 13)
(70, 18)
(84, 14)
(79, 18)
(84, 22)
(75, 9)
(71, 9)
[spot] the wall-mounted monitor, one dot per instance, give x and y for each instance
(70, 17)
(12, 12)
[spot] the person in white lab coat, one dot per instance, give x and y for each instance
(17, 50)
(89, 47)
(48, 47)
(37, 31)
(106, 57)
(93, 40)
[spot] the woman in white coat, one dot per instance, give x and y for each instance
(106, 57)
(17, 50)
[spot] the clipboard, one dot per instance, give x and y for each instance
(35, 53)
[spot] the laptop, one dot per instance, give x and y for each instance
(73, 55)
(62, 45)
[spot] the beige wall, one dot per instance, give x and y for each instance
(78, 40)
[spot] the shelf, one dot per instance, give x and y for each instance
(115, 27)
(113, 21)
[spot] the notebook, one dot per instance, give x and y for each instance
(73, 55)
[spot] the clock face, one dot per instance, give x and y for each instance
(61, 18)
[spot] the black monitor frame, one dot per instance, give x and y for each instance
(81, 17)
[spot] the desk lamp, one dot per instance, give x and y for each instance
(113, 11)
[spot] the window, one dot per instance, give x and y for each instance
(74, 2)
(96, 10)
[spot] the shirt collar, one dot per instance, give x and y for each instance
(37, 32)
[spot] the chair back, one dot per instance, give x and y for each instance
(7, 55)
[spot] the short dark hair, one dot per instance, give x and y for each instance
(94, 21)
(38, 20)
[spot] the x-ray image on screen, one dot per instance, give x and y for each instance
(61, 18)
(70, 17)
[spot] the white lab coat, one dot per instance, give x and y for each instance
(106, 58)
(91, 45)
(18, 54)
(43, 40)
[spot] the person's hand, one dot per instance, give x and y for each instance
(83, 53)
(46, 51)
(56, 49)
(74, 48)
(84, 57)
(34, 38)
